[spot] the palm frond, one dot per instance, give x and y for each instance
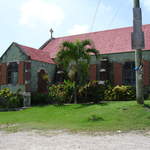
(93, 51)
(74, 57)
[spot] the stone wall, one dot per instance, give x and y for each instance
(13, 54)
(36, 66)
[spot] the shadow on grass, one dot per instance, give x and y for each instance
(147, 106)
(79, 105)
(45, 105)
(91, 104)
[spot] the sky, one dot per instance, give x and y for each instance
(28, 22)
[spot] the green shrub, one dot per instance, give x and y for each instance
(9, 99)
(40, 99)
(120, 93)
(69, 87)
(57, 94)
(92, 92)
(5, 93)
(13, 102)
(61, 93)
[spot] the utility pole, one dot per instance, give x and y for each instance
(138, 44)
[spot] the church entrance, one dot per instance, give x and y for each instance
(42, 81)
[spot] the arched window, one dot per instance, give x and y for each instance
(12, 76)
(129, 73)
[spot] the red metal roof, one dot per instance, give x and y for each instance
(36, 54)
(108, 41)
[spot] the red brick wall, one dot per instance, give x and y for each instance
(21, 73)
(146, 73)
(117, 67)
(92, 72)
(3, 74)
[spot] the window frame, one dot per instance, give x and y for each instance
(128, 73)
(11, 70)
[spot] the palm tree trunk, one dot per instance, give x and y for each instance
(75, 94)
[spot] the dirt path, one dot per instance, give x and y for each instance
(60, 140)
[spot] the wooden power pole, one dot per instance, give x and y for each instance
(138, 44)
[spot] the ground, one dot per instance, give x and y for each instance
(108, 116)
(62, 140)
(104, 126)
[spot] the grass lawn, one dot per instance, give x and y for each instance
(102, 117)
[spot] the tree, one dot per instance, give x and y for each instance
(74, 59)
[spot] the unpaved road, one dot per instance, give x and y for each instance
(61, 140)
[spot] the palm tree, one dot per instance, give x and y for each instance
(74, 58)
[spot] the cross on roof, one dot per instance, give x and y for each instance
(51, 31)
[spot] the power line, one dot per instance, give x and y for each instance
(115, 15)
(94, 18)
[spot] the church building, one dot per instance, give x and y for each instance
(21, 67)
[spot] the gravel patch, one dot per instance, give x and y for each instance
(62, 140)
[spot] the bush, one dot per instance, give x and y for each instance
(61, 93)
(92, 92)
(57, 94)
(9, 99)
(13, 102)
(39, 99)
(120, 93)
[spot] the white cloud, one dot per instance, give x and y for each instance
(78, 29)
(34, 12)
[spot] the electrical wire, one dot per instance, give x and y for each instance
(115, 15)
(94, 18)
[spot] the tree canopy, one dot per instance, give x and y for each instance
(74, 59)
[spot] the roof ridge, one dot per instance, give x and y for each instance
(106, 30)
(106, 41)
(46, 43)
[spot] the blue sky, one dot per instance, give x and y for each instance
(28, 21)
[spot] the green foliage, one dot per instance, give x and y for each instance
(5, 93)
(74, 59)
(73, 52)
(92, 92)
(120, 93)
(57, 94)
(9, 99)
(89, 92)
(69, 88)
(40, 99)
(13, 102)
(62, 93)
